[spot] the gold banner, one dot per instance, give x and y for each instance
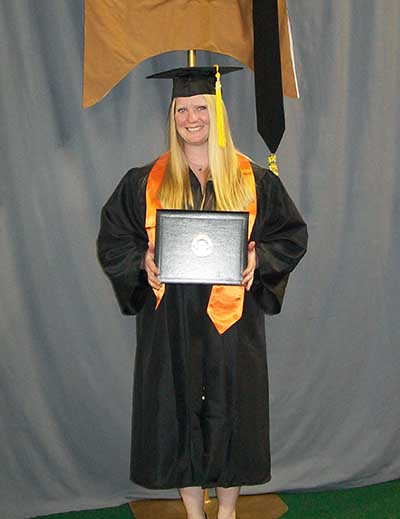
(120, 34)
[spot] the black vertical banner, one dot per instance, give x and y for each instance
(267, 73)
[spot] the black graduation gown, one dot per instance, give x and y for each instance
(200, 399)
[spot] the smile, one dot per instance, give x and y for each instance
(194, 129)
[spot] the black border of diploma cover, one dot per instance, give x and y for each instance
(207, 247)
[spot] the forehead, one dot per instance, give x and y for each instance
(196, 100)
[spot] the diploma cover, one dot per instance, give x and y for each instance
(207, 247)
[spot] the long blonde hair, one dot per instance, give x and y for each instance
(231, 192)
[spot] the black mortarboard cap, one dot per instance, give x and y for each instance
(191, 81)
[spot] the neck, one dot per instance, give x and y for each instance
(197, 156)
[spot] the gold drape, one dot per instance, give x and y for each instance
(120, 34)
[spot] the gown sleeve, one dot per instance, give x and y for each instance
(281, 237)
(122, 242)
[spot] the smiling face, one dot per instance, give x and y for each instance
(192, 119)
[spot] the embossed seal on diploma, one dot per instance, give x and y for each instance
(202, 245)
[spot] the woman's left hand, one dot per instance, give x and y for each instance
(248, 273)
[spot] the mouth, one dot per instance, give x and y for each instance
(194, 129)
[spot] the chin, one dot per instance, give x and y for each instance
(195, 139)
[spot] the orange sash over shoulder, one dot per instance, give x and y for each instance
(225, 305)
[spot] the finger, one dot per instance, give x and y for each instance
(251, 258)
(247, 278)
(153, 278)
(249, 284)
(248, 270)
(152, 267)
(152, 275)
(156, 285)
(251, 246)
(150, 251)
(152, 272)
(153, 281)
(150, 264)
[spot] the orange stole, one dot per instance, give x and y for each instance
(225, 305)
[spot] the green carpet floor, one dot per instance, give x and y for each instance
(374, 502)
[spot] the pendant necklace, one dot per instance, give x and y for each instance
(197, 167)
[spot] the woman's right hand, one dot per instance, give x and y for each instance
(151, 268)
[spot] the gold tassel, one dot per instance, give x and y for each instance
(220, 114)
(272, 164)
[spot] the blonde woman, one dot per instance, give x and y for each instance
(200, 403)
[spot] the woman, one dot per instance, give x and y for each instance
(200, 404)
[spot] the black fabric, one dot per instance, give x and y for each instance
(190, 81)
(267, 73)
(200, 402)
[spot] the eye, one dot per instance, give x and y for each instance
(202, 108)
(181, 110)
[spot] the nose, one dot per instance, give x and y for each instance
(192, 115)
